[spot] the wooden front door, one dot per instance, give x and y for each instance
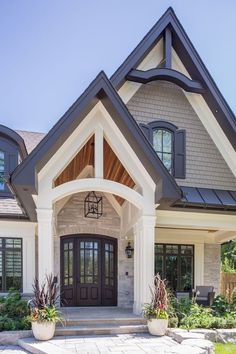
(88, 270)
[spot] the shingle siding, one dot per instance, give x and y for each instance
(205, 167)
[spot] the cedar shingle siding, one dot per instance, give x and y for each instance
(205, 167)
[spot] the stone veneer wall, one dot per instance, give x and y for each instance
(212, 266)
(71, 220)
(205, 166)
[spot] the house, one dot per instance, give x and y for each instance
(138, 176)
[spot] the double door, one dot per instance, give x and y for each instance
(88, 270)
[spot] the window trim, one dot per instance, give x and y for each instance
(178, 262)
(3, 250)
(160, 124)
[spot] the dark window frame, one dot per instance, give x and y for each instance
(164, 253)
(179, 149)
(3, 249)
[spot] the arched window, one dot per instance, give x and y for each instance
(163, 145)
(169, 143)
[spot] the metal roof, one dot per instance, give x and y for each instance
(207, 198)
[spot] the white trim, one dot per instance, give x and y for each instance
(25, 231)
(208, 120)
(188, 220)
(98, 152)
(98, 184)
(152, 60)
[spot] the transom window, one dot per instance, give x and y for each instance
(10, 264)
(163, 145)
(2, 170)
(175, 264)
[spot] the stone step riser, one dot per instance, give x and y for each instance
(69, 331)
(116, 322)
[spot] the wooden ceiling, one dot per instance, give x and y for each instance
(113, 168)
(83, 158)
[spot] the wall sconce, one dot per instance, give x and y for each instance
(129, 250)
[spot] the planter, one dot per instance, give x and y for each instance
(157, 327)
(43, 330)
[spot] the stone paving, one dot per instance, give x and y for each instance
(11, 349)
(123, 344)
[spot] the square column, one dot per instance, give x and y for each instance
(45, 243)
(144, 248)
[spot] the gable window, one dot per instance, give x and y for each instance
(175, 264)
(169, 143)
(163, 145)
(2, 170)
(10, 264)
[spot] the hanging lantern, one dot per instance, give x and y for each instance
(93, 206)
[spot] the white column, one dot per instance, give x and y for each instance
(45, 243)
(98, 154)
(28, 263)
(144, 243)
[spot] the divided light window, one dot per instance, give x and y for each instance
(175, 264)
(163, 145)
(10, 264)
(2, 170)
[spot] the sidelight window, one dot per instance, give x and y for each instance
(175, 264)
(10, 264)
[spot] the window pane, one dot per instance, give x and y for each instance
(172, 249)
(166, 159)
(157, 140)
(171, 271)
(167, 141)
(186, 280)
(13, 269)
(159, 265)
(159, 248)
(186, 249)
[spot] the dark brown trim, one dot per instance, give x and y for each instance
(11, 135)
(167, 47)
(24, 179)
(192, 62)
(167, 75)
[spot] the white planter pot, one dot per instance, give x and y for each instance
(43, 330)
(157, 327)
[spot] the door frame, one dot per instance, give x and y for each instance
(76, 238)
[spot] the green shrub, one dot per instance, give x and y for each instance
(13, 312)
(221, 306)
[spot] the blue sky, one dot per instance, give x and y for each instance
(52, 49)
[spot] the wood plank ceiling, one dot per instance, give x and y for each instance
(113, 168)
(83, 158)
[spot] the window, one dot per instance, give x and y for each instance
(2, 170)
(175, 264)
(169, 143)
(163, 145)
(10, 264)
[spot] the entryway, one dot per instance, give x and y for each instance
(88, 270)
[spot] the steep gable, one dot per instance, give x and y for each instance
(205, 166)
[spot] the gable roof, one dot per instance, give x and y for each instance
(193, 63)
(31, 139)
(23, 179)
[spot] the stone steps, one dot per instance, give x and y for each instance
(97, 321)
(101, 328)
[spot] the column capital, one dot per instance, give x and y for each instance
(145, 221)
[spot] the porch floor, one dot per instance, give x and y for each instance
(97, 313)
